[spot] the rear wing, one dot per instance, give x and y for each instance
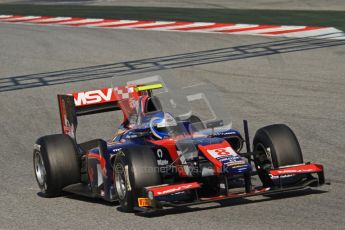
(98, 101)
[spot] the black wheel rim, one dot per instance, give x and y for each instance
(263, 157)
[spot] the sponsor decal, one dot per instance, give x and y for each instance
(172, 189)
(308, 168)
(236, 163)
(144, 202)
(282, 176)
(228, 159)
(161, 162)
(93, 97)
(159, 153)
(176, 189)
(224, 134)
(115, 150)
(291, 171)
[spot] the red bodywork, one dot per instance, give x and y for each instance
(170, 189)
(298, 169)
(306, 168)
(214, 150)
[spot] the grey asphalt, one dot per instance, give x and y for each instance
(299, 82)
(234, 4)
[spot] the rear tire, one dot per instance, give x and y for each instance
(275, 146)
(55, 163)
(134, 169)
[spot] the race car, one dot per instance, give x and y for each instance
(163, 158)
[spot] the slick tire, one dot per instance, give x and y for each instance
(275, 146)
(134, 169)
(55, 163)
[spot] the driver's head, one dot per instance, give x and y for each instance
(160, 123)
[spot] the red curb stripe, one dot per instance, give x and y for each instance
(92, 23)
(293, 30)
(205, 27)
(60, 21)
(170, 24)
(248, 29)
(129, 24)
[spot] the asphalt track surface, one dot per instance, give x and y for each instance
(303, 86)
(235, 4)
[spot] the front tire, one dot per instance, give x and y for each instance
(55, 164)
(134, 169)
(275, 146)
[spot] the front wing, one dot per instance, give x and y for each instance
(152, 199)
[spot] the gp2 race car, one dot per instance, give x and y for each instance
(159, 159)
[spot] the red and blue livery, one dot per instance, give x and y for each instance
(158, 159)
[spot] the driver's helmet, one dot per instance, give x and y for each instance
(160, 123)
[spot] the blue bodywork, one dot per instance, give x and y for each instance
(140, 136)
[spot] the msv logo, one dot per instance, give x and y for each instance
(93, 97)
